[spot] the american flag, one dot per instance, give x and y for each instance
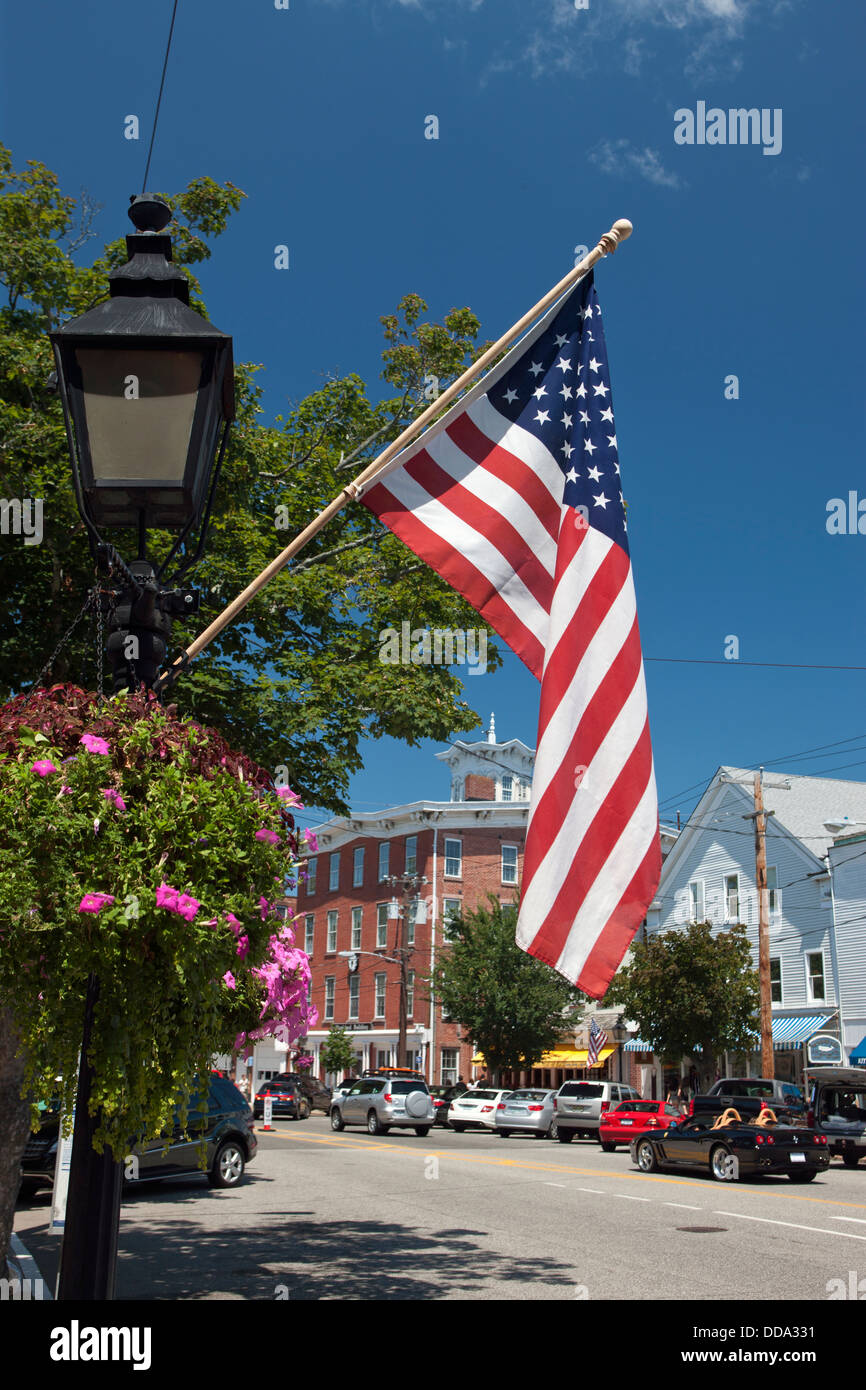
(514, 498)
(597, 1040)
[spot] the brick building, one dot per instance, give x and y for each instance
(466, 848)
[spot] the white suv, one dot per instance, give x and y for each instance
(382, 1102)
(578, 1106)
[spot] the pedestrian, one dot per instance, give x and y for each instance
(682, 1102)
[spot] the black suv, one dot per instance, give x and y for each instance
(227, 1130)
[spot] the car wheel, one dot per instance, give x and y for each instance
(422, 1131)
(304, 1110)
(553, 1132)
(646, 1157)
(504, 1133)
(565, 1136)
(228, 1166)
(373, 1125)
(336, 1120)
(723, 1164)
(804, 1177)
(541, 1134)
(458, 1129)
(850, 1160)
(607, 1148)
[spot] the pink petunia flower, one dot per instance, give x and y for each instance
(111, 795)
(95, 902)
(65, 791)
(93, 744)
(270, 835)
(243, 946)
(167, 897)
(291, 798)
(233, 923)
(187, 907)
(312, 841)
(264, 907)
(229, 979)
(43, 767)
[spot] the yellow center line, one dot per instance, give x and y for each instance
(361, 1145)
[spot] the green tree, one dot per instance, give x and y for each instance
(511, 1005)
(337, 1054)
(691, 992)
(297, 682)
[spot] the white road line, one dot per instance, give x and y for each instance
(597, 1190)
(625, 1197)
(767, 1221)
(858, 1219)
(556, 1184)
(683, 1205)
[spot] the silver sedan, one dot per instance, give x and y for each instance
(528, 1111)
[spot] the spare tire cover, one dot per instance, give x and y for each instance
(417, 1104)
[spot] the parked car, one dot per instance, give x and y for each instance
(837, 1109)
(337, 1092)
(631, 1118)
(528, 1111)
(287, 1099)
(227, 1131)
(730, 1147)
(317, 1093)
(475, 1109)
(774, 1093)
(381, 1104)
(442, 1098)
(397, 1073)
(579, 1106)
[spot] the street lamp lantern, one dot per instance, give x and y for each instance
(147, 387)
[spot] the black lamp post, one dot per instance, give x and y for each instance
(147, 388)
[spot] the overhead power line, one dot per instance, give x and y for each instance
(159, 98)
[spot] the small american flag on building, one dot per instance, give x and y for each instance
(514, 498)
(597, 1040)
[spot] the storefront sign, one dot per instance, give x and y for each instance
(825, 1048)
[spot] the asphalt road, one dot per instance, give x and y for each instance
(472, 1216)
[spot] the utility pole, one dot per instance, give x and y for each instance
(410, 884)
(759, 816)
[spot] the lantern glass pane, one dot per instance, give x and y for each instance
(139, 406)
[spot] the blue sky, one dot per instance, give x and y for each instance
(553, 122)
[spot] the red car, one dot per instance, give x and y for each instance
(632, 1118)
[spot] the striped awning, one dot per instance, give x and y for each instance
(787, 1032)
(562, 1057)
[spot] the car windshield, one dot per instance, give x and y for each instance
(585, 1089)
(405, 1088)
(528, 1095)
(479, 1095)
(638, 1106)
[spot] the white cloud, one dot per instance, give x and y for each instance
(621, 157)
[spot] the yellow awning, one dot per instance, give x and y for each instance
(578, 1057)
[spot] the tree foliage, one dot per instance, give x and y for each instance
(337, 1053)
(691, 992)
(297, 681)
(512, 1006)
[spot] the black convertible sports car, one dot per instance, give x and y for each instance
(731, 1148)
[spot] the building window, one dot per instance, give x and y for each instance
(453, 858)
(775, 980)
(411, 861)
(450, 908)
(509, 863)
(381, 926)
(330, 983)
(282, 910)
(331, 943)
(384, 859)
(450, 1060)
(309, 933)
(457, 789)
(357, 913)
(815, 977)
(410, 994)
(732, 897)
(379, 1010)
(334, 880)
(354, 995)
(696, 901)
(312, 867)
(507, 787)
(358, 868)
(773, 892)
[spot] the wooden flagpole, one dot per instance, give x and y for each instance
(606, 246)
